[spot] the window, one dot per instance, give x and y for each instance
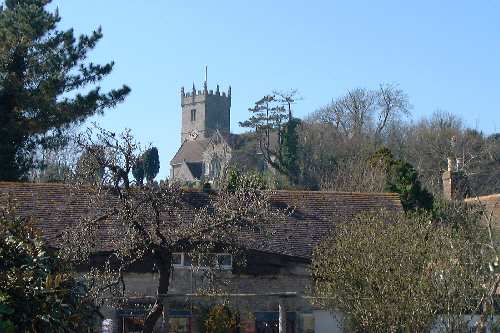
(193, 115)
(224, 260)
(177, 259)
(188, 260)
(133, 320)
(219, 260)
(215, 167)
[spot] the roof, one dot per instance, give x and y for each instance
(315, 214)
(196, 169)
(57, 207)
(491, 203)
(190, 151)
(485, 182)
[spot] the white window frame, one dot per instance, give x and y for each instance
(182, 259)
(225, 267)
(216, 256)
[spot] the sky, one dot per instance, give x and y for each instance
(444, 54)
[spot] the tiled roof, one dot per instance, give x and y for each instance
(196, 169)
(190, 151)
(316, 212)
(491, 203)
(56, 207)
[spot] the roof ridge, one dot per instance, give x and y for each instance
(339, 192)
(276, 191)
(33, 183)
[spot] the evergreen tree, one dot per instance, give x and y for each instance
(138, 171)
(42, 70)
(151, 163)
(402, 178)
(277, 132)
(290, 148)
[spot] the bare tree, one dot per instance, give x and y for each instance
(157, 220)
(364, 112)
(392, 104)
(431, 140)
(354, 174)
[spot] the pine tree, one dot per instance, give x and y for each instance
(42, 70)
(151, 163)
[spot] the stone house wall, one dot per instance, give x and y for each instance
(291, 277)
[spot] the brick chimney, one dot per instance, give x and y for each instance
(454, 180)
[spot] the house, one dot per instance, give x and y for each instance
(276, 274)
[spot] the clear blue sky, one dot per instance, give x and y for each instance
(444, 54)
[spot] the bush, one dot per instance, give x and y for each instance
(395, 272)
(38, 292)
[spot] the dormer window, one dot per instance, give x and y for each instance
(193, 115)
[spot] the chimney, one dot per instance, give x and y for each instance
(454, 180)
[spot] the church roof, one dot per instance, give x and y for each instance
(190, 151)
(57, 207)
(196, 169)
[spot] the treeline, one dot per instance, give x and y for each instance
(335, 144)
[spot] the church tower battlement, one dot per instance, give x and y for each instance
(204, 112)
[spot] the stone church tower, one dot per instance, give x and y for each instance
(204, 112)
(206, 140)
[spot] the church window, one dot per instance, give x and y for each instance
(215, 167)
(193, 115)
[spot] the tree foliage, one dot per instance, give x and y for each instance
(42, 71)
(329, 149)
(220, 319)
(38, 292)
(391, 272)
(151, 163)
(335, 141)
(402, 178)
(277, 132)
(138, 171)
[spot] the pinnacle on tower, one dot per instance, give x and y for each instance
(205, 88)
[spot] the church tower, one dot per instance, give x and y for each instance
(204, 112)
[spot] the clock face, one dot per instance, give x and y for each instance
(193, 135)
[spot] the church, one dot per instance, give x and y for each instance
(206, 141)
